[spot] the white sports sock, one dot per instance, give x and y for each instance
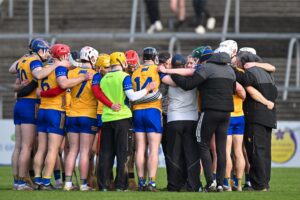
(68, 184)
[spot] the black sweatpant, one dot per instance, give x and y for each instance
(114, 142)
(213, 122)
(257, 140)
(152, 7)
(182, 156)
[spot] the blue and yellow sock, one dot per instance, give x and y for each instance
(83, 182)
(152, 181)
(46, 181)
(235, 180)
(16, 178)
(239, 182)
(142, 182)
(38, 180)
(226, 182)
(21, 181)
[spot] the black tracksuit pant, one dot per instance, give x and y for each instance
(152, 7)
(257, 141)
(213, 122)
(182, 156)
(114, 142)
(201, 11)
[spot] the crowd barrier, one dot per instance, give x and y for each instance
(285, 144)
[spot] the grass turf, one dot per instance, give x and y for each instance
(285, 184)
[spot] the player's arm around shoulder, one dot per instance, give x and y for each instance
(67, 79)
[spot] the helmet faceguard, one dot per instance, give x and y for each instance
(40, 44)
(74, 59)
(89, 54)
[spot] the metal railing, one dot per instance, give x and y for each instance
(162, 36)
(31, 20)
(1, 107)
(226, 18)
(174, 38)
(174, 41)
(293, 42)
(10, 8)
(134, 14)
(133, 17)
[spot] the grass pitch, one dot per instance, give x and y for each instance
(285, 184)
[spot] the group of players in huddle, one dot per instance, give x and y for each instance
(110, 106)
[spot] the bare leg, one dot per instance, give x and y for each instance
(228, 162)
(54, 142)
(86, 142)
(73, 139)
(239, 158)
(39, 157)
(28, 134)
(154, 140)
(174, 6)
(16, 154)
(181, 11)
(141, 144)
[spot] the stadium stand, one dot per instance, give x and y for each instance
(67, 16)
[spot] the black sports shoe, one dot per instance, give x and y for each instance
(247, 188)
(142, 188)
(49, 187)
(36, 186)
(152, 188)
(210, 188)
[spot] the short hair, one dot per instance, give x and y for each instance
(163, 57)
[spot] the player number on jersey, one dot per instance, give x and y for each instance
(23, 75)
(44, 85)
(81, 89)
(138, 84)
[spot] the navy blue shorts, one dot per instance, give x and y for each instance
(51, 121)
(99, 120)
(25, 111)
(82, 125)
(147, 120)
(236, 126)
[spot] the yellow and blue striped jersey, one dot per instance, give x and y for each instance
(238, 104)
(25, 67)
(68, 101)
(141, 77)
(83, 101)
(56, 103)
